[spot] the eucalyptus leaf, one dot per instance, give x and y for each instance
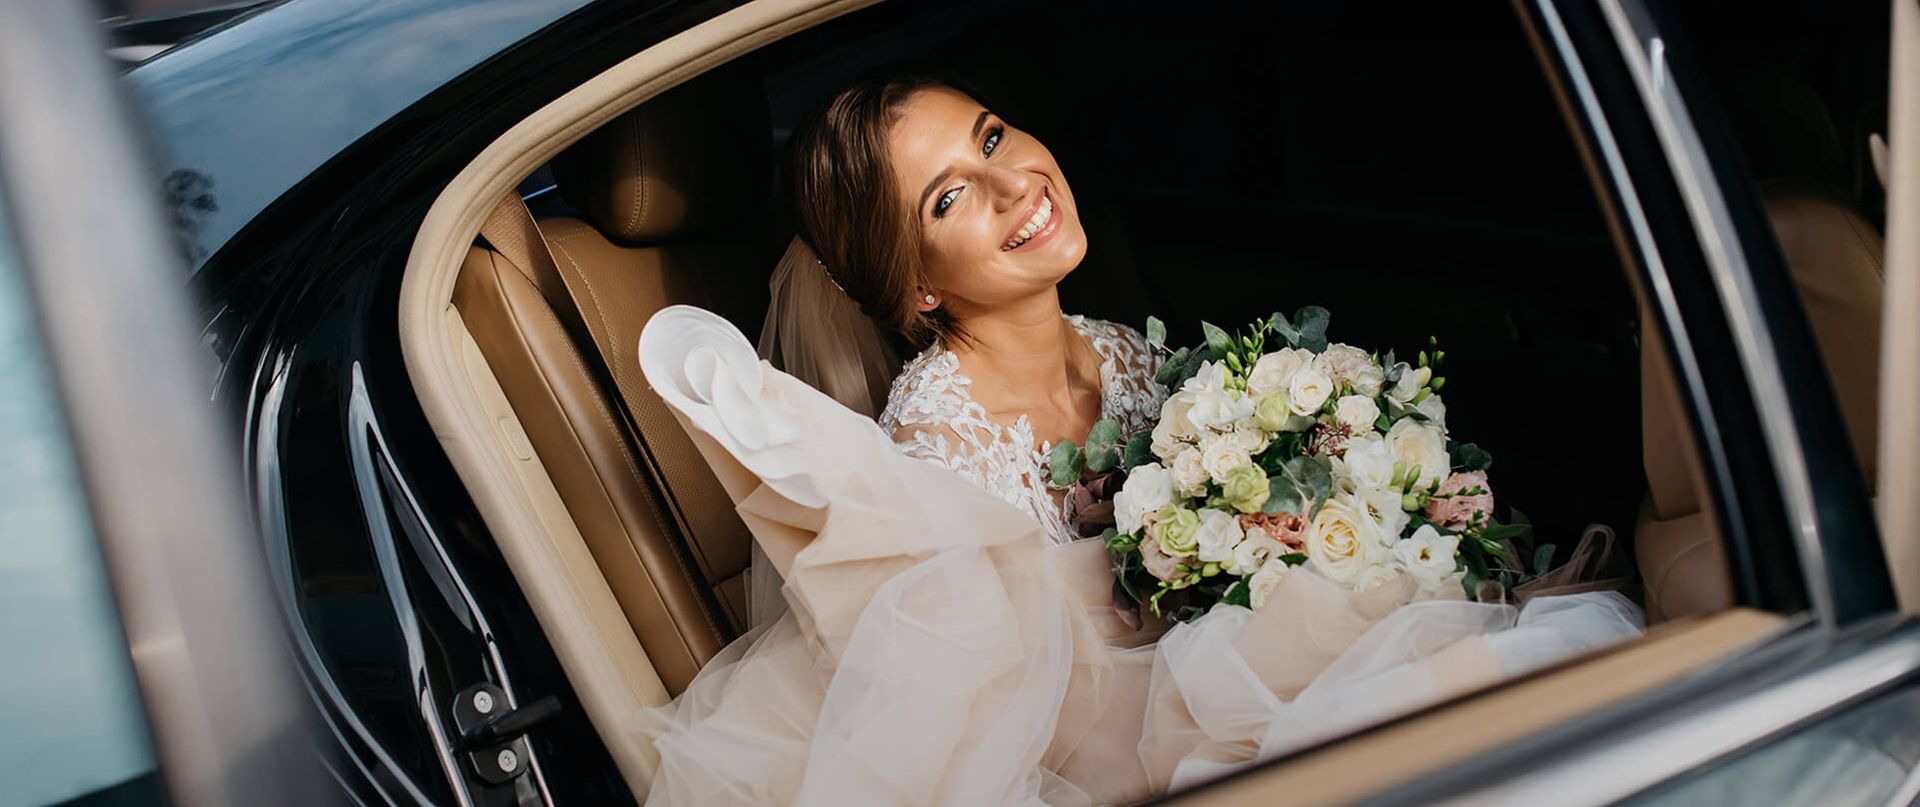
(1284, 327)
(1156, 332)
(1470, 457)
(1139, 451)
(1300, 486)
(1311, 321)
(1294, 558)
(1283, 496)
(1542, 558)
(1218, 342)
(1066, 463)
(1105, 432)
(1502, 532)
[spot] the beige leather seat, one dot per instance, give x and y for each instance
(674, 196)
(1835, 257)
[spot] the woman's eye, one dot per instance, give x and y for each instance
(993, 141)
(945, 201)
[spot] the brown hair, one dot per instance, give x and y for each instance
(849, 210)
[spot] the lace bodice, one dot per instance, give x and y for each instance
(932, 416)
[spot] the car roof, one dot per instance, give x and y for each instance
(245, 112)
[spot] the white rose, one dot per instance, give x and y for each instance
(1149, 487)
(1368, 464)
(1428, 556)
(1249, 438)
(1173, 415)
(1189, 475)
(1411, 382)
(1370, 380)
(1418, 444)
(1342, 541)
(1435, 411)
(1218, 535)
(1309, 391)
(1253, 553)
(1165, 445)
(1375, 578)
(1264, 581)
(1383, 506)
(1342, 362)
(1357, 413)
(1221, 454)
(1274, 371)
(1212, 376)
(1214, 409)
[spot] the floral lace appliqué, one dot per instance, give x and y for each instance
(932, 416)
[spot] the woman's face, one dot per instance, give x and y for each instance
(996, 218)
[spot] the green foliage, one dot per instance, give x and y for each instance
(1101, 454)
(1299, 486)
(1156, 333)
(1470, 457)
(1139, 451)
(1294, 558)
(1542, 559)
(1307, 330)
(1218, 342)
(1238, 594)
(1066, 463)
(1179, 367)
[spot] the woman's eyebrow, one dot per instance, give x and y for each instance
(978, 122)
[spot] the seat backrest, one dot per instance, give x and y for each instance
(673, 200)
(1835, 258)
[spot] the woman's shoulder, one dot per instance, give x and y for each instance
(925, 391)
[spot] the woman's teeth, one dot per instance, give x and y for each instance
(1034, 225)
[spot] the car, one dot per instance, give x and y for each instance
(1648, 232)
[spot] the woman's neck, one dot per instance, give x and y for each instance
(1028, 351)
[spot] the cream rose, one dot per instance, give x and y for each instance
(1253, 553)
(1428, 556)
(1342, 541)
(1417, 444)
(1220, 455)
(1342, 362)
(1249, 438)
(1309, 391)
(1369, 380)
(1271, 412)
(1189, 474)
(1263, 582)
(1246, 489)
(1175, 528)
(1274, 371)
(1218, 535)
(1173, 416)
(1149, 487)
(1357, 413)
(1368, 464)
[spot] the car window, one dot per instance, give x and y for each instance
(1860, 756)
(71, 723)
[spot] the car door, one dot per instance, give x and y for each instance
(143, 656)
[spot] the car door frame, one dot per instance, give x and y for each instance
(226, 714)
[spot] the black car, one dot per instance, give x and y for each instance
(1649, 237)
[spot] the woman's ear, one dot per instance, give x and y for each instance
(925, 299)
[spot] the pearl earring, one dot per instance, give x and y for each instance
(930, 300)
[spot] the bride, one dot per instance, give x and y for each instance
(927, 628)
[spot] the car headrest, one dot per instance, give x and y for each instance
(696, 160)
(1836, 261)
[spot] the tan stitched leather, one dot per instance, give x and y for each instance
(1835, 258)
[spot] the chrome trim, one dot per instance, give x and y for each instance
(225, 709)
(1622, 769)
(392, 578)
(1644, 52)
(1684, 360)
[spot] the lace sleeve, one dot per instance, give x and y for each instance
(1131, 395)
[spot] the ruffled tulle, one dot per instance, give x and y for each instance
(937, 649)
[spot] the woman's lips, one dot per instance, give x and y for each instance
(1045, 232)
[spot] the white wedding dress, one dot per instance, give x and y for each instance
(939, 645)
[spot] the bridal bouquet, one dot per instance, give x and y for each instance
(1276, 449)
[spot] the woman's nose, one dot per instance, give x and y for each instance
(1011, 186)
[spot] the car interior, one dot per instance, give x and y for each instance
(1411, 172)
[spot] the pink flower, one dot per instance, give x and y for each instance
(1157, 563)
(1287, 528)
(1452, 509)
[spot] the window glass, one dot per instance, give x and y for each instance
(1860, 756)
(71, 723)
